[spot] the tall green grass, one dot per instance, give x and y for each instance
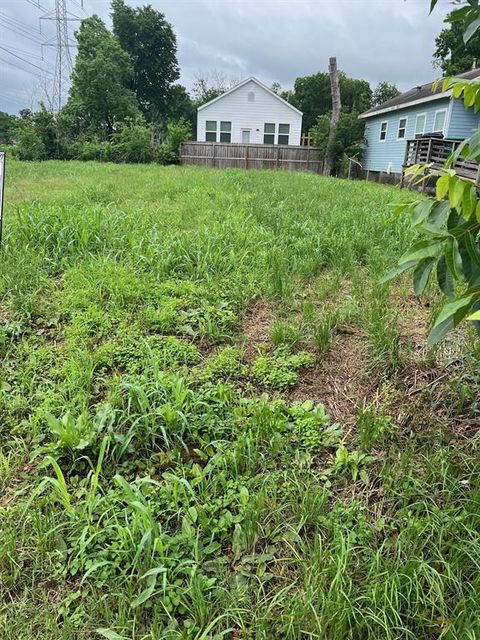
(157, 482)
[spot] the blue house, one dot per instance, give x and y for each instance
(419, 113)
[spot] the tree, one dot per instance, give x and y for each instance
(180, 104)
(7, 125)
(452, 55)
(383, 92)
(312, 95)
(99, 98)
(210, 85)
(29, 143)
(45, 126)
(151, 44)
(448, 225)
(349, 138)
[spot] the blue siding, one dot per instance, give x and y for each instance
(378, 155)
(463, 122)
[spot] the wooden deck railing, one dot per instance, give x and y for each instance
(435, 151)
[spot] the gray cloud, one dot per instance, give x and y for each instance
(275, 40)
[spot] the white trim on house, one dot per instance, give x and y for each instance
(419, 115)
(444, 127)
(404, 137)
(404, 105)
(448, 117)
(241, 84)
(381, 131)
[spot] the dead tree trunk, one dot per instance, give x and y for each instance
(336, 107)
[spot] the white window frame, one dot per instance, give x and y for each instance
(442, 130)
(380, 139)
(286, 124)
(207, 131)
(226, 131)
(404, 128)
(274, 134)
(419, 115)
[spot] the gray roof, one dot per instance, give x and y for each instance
(422, 92)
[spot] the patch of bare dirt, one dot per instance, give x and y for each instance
(338, 379)
(6, 316)
(255, 327)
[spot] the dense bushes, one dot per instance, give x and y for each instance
(41, 136)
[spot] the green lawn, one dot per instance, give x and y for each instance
(215, 423)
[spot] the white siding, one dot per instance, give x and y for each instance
(243, 114)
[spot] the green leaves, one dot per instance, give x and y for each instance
(448, 228)
(455, 191)
(449, 317)
(442, 186)
(398, 270)
(422, 249)
(422, 274)
(146, 594)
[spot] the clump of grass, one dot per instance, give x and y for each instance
(285, 333)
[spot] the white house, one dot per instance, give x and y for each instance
(249, 112)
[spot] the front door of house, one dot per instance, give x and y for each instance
(245, 136)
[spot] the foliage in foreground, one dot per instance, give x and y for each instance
(159, 482)
(449, 224)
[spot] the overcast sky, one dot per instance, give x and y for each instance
(274, 40)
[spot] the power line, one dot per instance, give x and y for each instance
(37, 5)
(14, 29)
(17, 66)
(19, 25)
(24, 60)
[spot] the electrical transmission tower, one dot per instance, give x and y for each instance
(62, 42)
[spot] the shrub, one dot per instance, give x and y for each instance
(29, 143)
(177, 132)
(92, 150)
(133, 142)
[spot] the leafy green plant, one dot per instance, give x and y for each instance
(312, 428)
(352, 462)
(279, 370)
(448, 225)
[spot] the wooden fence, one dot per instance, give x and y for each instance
(223, 155)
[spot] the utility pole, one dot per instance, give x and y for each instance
(62, 43)
(336, 107)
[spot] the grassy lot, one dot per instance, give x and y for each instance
(216, 424)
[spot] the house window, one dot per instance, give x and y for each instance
(210, 131)
(269, 133)
(402, 128)
(225, 131)
(383, 131)
(251, 96)
(439, 122)
(283, 133)
(420, 124)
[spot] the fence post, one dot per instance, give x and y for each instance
(213, 155)
(246, 156)
(277, 157)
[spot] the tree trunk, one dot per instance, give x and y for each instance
(336, 107)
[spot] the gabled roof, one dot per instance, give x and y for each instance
(243, 82)
(417, 95)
